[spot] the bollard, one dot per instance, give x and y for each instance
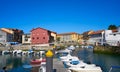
(49, 61)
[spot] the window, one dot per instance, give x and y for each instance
(43, 37)
(33, 38)
(25, 36)
(114, 34)
(37, 37)
(26, 39)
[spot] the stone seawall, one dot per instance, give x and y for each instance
(107, 49)
(25, 47)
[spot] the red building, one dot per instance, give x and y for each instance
(42, 36)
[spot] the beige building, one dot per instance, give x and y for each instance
(26, 39)
(71, 37)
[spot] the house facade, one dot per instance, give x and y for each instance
(42, 36)
(96, 37)
(16, 34)
(103, 37)
(112, 37)
(5, 37)
(26, 39)
(86, 36)
(71, 37)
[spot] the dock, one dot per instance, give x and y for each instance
(58, 65)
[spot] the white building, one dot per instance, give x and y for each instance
(112, 38)
(96, 37)
(109, 37)
(26, 39)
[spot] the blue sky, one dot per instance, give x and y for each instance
(59, 15)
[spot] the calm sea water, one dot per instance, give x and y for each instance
(102, 60)
(15, 63)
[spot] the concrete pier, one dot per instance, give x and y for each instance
(58, 65)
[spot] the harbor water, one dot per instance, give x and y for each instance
(15, 63)
(105, 61)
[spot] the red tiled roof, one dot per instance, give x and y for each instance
(97, 32)
(115, 30)
(67, 33)
(43, 29)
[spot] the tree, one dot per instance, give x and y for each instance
(111, 27)
(58, 39)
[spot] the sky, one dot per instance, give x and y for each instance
(60, 16)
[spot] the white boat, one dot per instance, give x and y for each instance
(64, 51)
(77, 46)
(69, 59)
(71, 47)
(14, 51)
(86, 69)
(65, 57)
(42, 67)
(30, 52)
(42, 53)
(75, 64)
(19, 51)
(5, 52)
(24, 52)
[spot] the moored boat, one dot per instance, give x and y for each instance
(35, 61)
(86, 69)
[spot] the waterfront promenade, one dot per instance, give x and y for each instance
(24, 47)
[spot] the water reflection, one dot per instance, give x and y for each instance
(14, 63)
(105, 61)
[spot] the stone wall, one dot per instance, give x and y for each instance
(107, 49)
(25, 47)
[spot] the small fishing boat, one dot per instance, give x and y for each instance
(42, 68)
(5, 52)
(30, 52)
(35, 61)
(71, 47)
(75, 64)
